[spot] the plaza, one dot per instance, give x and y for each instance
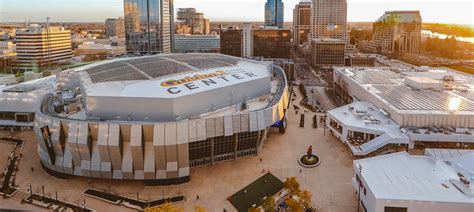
(329, 183)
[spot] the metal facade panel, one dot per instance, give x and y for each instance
(115, 145)
(136, 145)
(210, 128)
(228, 128)
(244, 122)
(201, 130)
(192, 130)
(159, 146)
(102, 142)
(261, 120)
(236, 123)
(127, 163)
(219, 124)
(84, 141)
(72, 141)
(149, 166)
(269, 117)
(183, 132)
(171, 142)
(55, 137)
(253, 123)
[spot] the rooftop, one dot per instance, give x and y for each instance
(437, 90)
(401, 176)
(153, 76)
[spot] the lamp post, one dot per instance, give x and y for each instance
(360, 182)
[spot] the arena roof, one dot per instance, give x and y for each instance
(169, 76)
(144, 68)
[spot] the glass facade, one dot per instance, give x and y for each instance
(148, 26)
(271, 43)
(274, 10)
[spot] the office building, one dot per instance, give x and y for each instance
(274, 11)
(266, 43)
(231, 42)
(212, 108)
(192, 22)
(327, 52)
(414, 108)
(360, 60)
(39, 47)
(149, 27)
(197, 43)
(301, 22)
(115, 27)
(247, 40)
(271, 43)
(7, 54)
(397, 33)
(329, 19)
(440, 180)
(91, 48)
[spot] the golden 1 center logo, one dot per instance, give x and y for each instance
(172, 82)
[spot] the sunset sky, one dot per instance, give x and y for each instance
(439, 11)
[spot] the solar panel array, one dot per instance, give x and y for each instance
(157, 66)
(404, 98)
(115, 71)
(375, 76)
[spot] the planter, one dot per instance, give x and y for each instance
(310, 162)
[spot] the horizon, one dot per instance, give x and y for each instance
(460, 13)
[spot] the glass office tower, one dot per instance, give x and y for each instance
(274, 13)
(148, 26)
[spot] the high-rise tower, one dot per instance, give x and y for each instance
(149, 26)
(274, 10)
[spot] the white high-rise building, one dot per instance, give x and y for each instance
(247, 41)
(329, 19)
(41, 46)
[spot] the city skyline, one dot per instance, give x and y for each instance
(461, 11)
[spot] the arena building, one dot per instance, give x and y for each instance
(423, 107)
(153, 118)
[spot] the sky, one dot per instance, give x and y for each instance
(432, 11)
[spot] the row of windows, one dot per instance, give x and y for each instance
(223, 145)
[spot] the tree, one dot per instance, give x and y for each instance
(167, 207)
(254, 209)
(198, 208)
(292, 186)
(269, 204)
(305, 199)
(294, 205)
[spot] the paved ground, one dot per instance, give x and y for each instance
(5, 149)
(330, 183)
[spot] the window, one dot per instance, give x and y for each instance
(395, 209)
(22, 118)
(247, 140)
(223, 145)
(199, 149)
